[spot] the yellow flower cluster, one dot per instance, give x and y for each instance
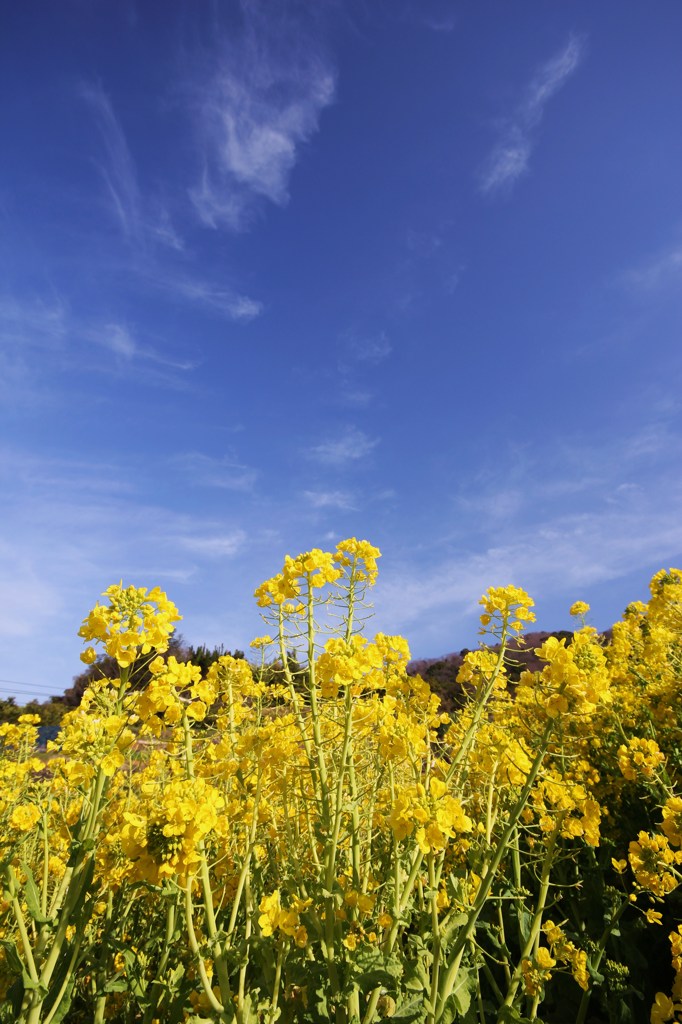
(434, 817)
(639, 758)
(134, 622)
(575, 679)
(506, 607)
(163, 839)
(314, 569)
(652, 862)
(274, 917)
(566, 952)
(666, 1008)
(537, 972)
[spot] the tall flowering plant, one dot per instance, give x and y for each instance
(312, 838)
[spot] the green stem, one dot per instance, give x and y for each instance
(67, 980)
(101, 1002)
(157, 984)
(596, 960)
(274, 999)
(537, 916)
(216, 1005)
(466, 934)
(244, 873)
(206, 890)
(436, 944)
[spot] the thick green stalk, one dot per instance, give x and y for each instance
(536, 923)
(435, 941)
(244, 873)
(597, 958)
(216, 1005)
(274, 999)
(449, 978)
(157, 985)
(206, 890)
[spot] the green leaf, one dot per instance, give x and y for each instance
(32, 897)
(416, 978)
(461, 994)
(412, 1011)
(525, 920)
(371, 967)
(33, 986)
(453, 926)
(116, 984)
(174, 978)
(64, 1003)
(510, 1015)
(12, 956)
(15, 997)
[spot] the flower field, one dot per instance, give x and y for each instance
(332, 846)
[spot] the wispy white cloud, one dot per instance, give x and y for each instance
(358, 397)
(48, 326)
(372, 349)
(222, 300)
(437, 15)
(262, 103)
(139, 219)
(146, 223)
(330, 499)
(663, 270)
(351, 446)
(117, 169)
(33, 322)
(119, 339)
(446, 23)
(215, 546)
(34, 340)
(225, 472)
(510, 158)
(594, 514)
(566, 554)
(359, 352)
(71, 527)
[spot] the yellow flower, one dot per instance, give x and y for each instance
(543, 958)
(650, 859)
(672, 820)
(134, 622)
(663, 1009)
(261, 641)
(507, 606)
(641, 759)
(24, 817)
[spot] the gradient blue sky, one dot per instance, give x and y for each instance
(273, 274)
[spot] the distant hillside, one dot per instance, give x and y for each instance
(441, 673)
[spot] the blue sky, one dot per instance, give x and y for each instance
(274, 274)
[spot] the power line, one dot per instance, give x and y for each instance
(23, 682)
(18, 688)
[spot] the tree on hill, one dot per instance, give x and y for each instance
(50, 711)
(204, 656)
